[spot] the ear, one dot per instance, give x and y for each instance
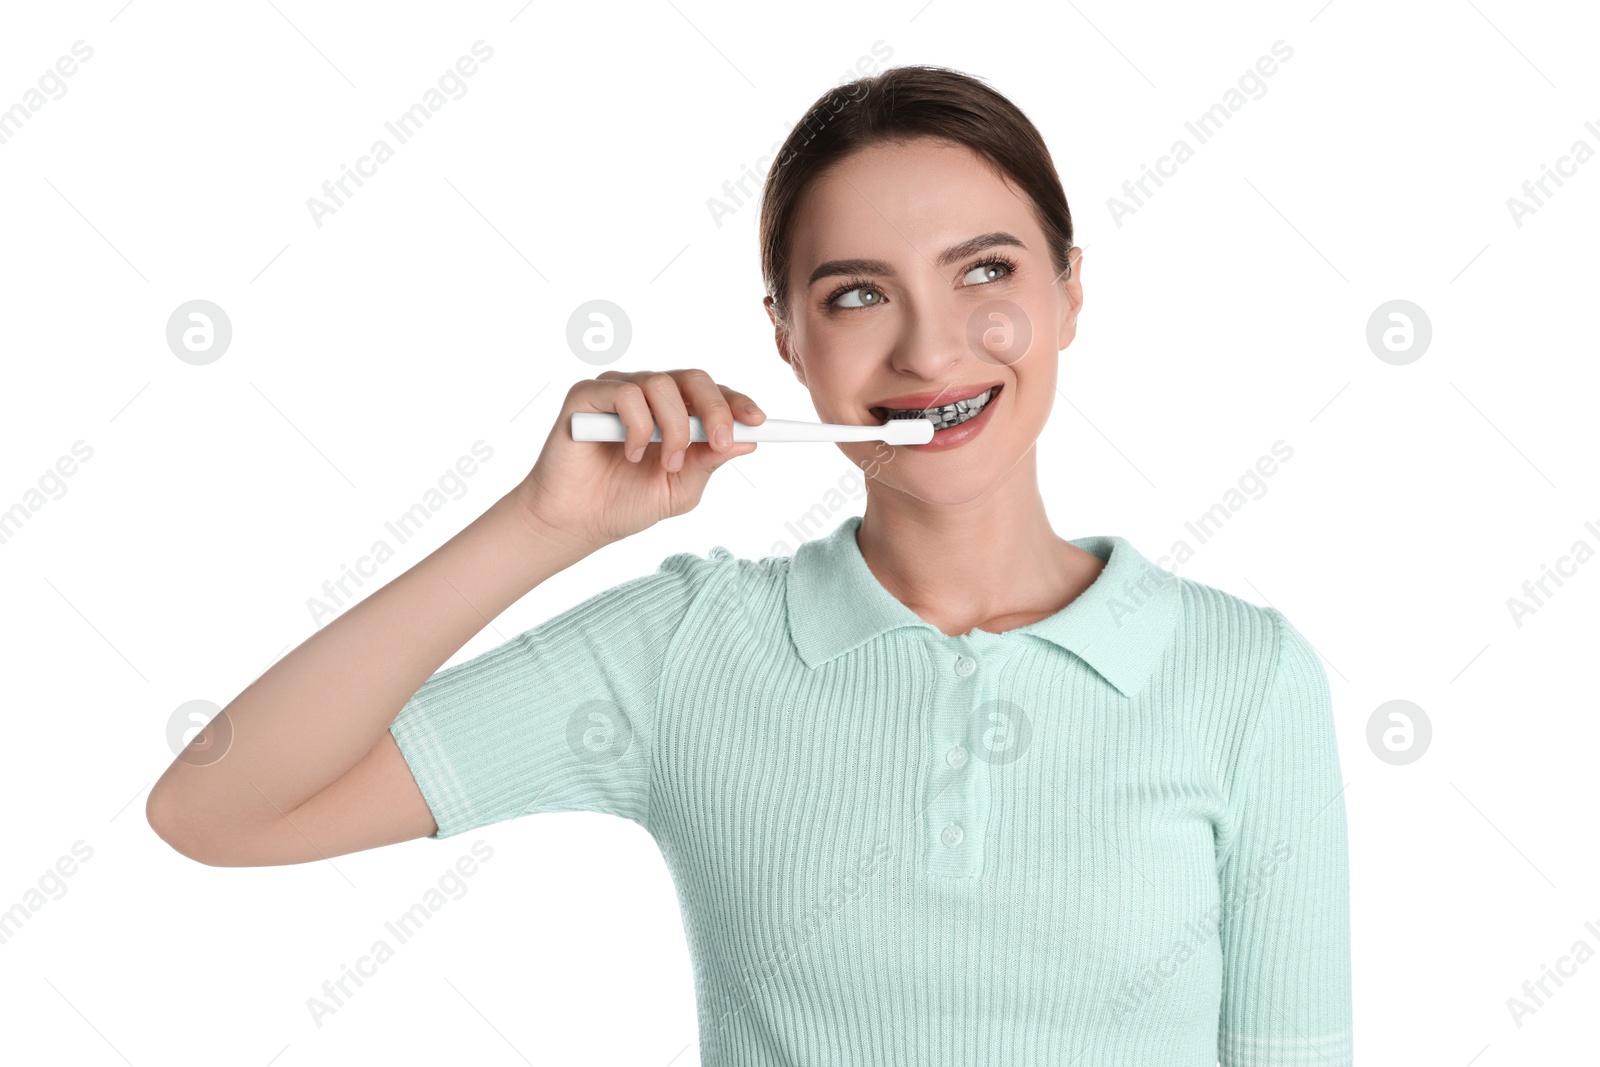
(1071, 283)
(780, 337)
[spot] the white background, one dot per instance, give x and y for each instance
(429, 312)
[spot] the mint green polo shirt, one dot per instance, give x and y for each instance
(1114, 836)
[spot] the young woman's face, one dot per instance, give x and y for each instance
(928, 309)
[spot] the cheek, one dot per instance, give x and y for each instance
(1034, 393)
(836, 377)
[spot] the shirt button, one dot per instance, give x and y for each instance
(965, 665)
(952, 835)
(956, 757)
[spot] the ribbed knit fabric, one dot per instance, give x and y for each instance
(1114, 837)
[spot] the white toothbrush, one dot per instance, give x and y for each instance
(608, 426)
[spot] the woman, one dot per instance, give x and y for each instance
(941, 787)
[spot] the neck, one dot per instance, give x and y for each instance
(992, 562)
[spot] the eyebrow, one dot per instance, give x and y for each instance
(946, 258)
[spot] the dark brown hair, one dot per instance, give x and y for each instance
(900, 104)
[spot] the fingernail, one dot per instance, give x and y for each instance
(723, 436)
(675, 460)
(633, 457)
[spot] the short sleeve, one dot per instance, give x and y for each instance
(558, 718)
(1285, 893)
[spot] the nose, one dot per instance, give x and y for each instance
(935, 343)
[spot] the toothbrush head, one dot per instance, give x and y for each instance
(907, 431)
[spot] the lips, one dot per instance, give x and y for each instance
(924, 401)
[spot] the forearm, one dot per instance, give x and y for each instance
(316, 712)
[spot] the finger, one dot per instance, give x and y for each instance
(618, 393)
(744, 409)
(629, 402)
(671, 414)
(709, 460)
(707, 403)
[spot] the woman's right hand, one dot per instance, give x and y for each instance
(603, 491)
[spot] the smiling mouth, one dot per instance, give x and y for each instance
(944, 416)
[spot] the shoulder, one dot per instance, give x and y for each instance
(1258, 685)
(718, 587)
(719, 564)
(1246, 664)
(1260, 666)
(1237, 638)
(651, 599)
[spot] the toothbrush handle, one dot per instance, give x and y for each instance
(608, 426)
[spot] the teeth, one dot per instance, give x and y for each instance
(948, 415)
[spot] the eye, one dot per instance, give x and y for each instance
(856, 288)
(863, 297)
(987, 268)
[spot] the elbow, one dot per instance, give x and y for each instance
(175, 823)
(192, 829)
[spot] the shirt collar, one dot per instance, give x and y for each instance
(1120, 625)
